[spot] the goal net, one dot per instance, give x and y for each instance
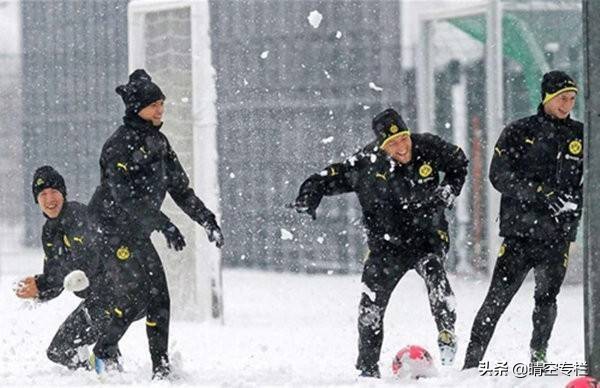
(170, 40)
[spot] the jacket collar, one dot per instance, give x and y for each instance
(542, 114)
(136, 122)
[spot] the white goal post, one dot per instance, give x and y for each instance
(170, 39)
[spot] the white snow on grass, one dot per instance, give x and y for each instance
(315, 18)
(293, 330)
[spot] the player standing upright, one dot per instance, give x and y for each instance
(538, 168)
(138, 168)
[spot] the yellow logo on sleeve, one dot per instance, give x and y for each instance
(123, 253)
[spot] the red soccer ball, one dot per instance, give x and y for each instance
(583, 382)
(413, 361)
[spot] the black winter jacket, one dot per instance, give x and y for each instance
(70, 243)
(138, 168)
(397, 201)
(535, 158)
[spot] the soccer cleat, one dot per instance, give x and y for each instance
(370, 372)
(538, 356)
(104, 366)
(161, 372)
(448, 346)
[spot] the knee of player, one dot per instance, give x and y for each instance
(545, 299)
(53, 354)
(432, 266)
(370, 315)
(162, 294)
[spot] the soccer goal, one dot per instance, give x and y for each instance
(170, 39)
(478, 68)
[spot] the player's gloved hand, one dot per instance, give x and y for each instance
(213, 232)
(307, 203)
(175, 239)
(562, 203)
(444, 196)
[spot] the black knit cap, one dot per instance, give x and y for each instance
(388, 125)
(139, 92)
(47, 177)
(556, 82)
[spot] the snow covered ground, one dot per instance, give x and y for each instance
(292, 330)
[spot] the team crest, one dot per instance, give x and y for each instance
(425, 170)
(575, 147)
(39, 182)
(123, 253)
(394, 128)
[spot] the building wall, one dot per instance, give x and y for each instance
(11, 162)
(69, 73)
(292, 99)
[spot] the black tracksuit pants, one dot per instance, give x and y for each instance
(140, 288)
(382, 271)
(517, 256)
(82, 327)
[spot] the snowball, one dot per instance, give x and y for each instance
(264, 54)
(286, 234)
(338, 34)
(320, 240)
(76, 281)
(314, 18)
(375, 87)
(327, 140)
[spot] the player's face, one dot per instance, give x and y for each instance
(400, 149)
(153, 112)
(561, 105)
(51, 202)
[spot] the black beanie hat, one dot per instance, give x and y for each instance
(388, 125)
(556, 82)
(47, 177)
(139, 92)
